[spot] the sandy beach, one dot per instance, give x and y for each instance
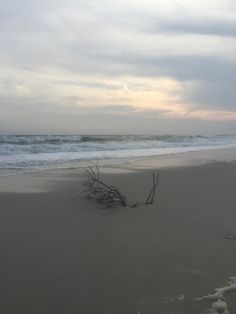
(63, 254)
(147, 90)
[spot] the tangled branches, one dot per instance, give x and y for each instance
(96, 189)
(109, 195)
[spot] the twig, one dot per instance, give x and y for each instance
(110, 195)
(151, 196)
(101, 192)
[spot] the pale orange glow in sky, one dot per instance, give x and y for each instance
(214, 115)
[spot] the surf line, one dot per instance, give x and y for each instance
(218, 298)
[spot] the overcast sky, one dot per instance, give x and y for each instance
(127, 66)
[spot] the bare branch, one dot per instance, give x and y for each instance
(151, 195)
(109, 195)
(101, 192)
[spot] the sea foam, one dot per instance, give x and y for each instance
(218, 298)
(40, 151)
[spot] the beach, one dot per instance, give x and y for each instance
(64, 254)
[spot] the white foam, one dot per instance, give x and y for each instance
(43, 151)
(177, 299)
(219, 307)
(218, 298)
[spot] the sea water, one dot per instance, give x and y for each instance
(48, 151)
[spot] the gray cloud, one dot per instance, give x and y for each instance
(45, 44)
(216, 95)
(59, 120)
(200, 26)
(96, 85)
(214, 78)
(180, 67)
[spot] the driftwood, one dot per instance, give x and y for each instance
(151, 195)
(101, 192)
(109, 195)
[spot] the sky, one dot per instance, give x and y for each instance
(110, 67)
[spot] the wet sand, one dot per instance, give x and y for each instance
(63, 254)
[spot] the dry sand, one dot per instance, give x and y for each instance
(63, 254)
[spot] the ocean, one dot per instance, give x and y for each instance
(34, 152)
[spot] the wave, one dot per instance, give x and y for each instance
(60, 139)
(38, 150)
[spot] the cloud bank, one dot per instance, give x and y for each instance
(88, 66)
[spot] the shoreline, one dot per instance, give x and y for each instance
(180, 159)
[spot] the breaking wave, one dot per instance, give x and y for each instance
(40, 150)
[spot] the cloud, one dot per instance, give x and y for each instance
(201, 27)
(213, 95)
(166, 59)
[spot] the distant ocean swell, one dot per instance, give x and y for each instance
(40, 151)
